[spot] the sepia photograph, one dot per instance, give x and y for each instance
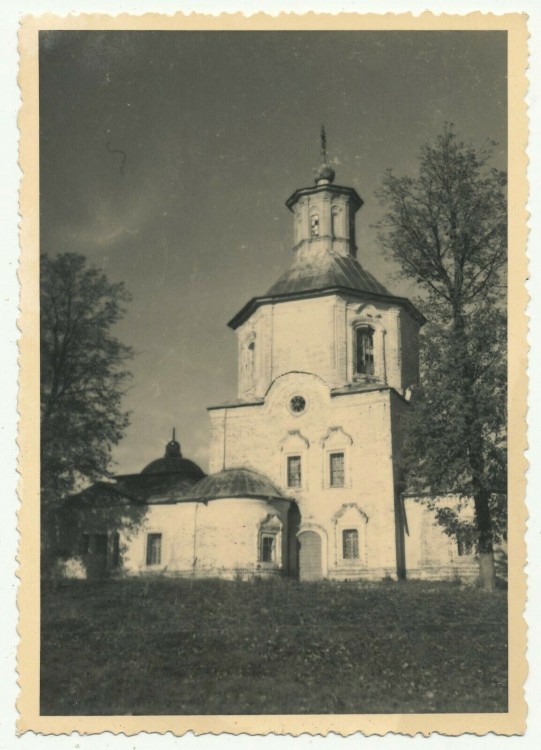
(273, 371)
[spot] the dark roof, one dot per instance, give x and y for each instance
(174, 463)
(169, 465)
(235, 482)
(99, 494)
(165, 480)
(313, 274)
(158, 487)
(323, 270)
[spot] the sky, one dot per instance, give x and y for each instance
(218, 129)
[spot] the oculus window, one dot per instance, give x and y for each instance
(297, 404)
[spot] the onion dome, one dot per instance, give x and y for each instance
(235, 482)
(324, 173)
(174, 463)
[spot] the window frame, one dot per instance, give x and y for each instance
(335, 220)
(148, 552)
(115, 550)
(267, 536)
(270, 528)
(334, 454)
(358, 331)
(356, 538)
(85, 543)
(337, 441)
(465, 546)
(289, 458)
(315, 224)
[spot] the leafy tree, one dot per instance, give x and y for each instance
(447, 229)
(83, 378)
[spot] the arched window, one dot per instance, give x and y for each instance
(364, 351)
(314, 225)
(249, 364)
(334, 222)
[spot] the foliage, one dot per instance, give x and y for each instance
(170, 646)
(83, 377)
(447, 229)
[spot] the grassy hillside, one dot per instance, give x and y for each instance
(170, 646)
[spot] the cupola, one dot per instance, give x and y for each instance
(173, 462)
(324, 215)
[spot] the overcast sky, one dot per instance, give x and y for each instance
(219, 128)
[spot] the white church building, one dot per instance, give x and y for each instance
(304, 463)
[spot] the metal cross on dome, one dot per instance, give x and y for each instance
(323, 145)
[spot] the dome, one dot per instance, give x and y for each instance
(174, 463)
(325, 172)
(235, 482)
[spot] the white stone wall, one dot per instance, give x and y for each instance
(336, 230)
(317, 336)
(221, 538)
(430, 553)
(261, 437)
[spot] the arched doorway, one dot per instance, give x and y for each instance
(310, 567)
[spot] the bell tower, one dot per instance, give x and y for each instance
(324, 215)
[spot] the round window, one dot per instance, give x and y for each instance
(297, 404)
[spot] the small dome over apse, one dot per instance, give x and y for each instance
(173, 462)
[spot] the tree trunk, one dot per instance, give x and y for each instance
(487, 575)
(481, 495)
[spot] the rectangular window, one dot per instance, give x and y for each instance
(85, 544)
(364, 354)
(154, 549)
(314, 226)
(337, 469)
(115, 551)
(267, 549)
(350, 544)
(293, 471)
(464, 544)
(100, 545)
(334, 222)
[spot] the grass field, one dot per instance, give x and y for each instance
(170, 646)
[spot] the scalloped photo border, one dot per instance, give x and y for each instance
(510, 723)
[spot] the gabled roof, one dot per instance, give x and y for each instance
(314, 274)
